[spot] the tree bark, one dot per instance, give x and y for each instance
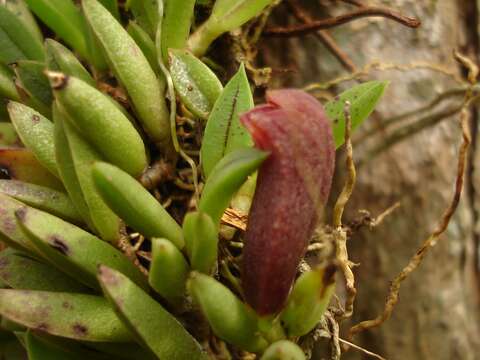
(437, 316)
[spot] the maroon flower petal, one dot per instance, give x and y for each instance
(292, 188)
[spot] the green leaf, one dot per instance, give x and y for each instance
(168, 271)
(100, 122)
(135, 205)
(112, 6)
(7, 85)
(66, 168)
(74, 316)
(145, 42)
(363, 99)
(21, 164)
(73, 250)
(8, 135)
(59, 58)
(36, 132)
(308, 301)
(197, 86)
(132, 69)
(10, 233)
(283, 350)
(20, 270)
(201, 240)
(39, 349)
(226, 178)
(21, 11)
(223, 132)
(43, 198)
(31, 78)
(106, 223)
(176, 25)
(66, 20)
(16, 39)
(145, 13)
(226, 15)
(156, 328)
(229, 318)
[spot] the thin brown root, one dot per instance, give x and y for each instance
(359, 348)
(324, 36)
(416, 260)
(379, 219)
(361, 12)
(352, 175)
(382, 66)
(340, 233)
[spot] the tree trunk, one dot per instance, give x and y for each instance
(437, 316)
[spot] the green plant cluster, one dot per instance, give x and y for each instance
(72, 156)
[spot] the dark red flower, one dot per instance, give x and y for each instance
(292, 189)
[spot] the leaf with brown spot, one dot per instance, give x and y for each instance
(73, 250)
(19, 270)
(45, 312)
(43, 198)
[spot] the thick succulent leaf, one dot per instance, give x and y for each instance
(168, 271)
(176, 25)
(226, 178)
(10, 233)
(223, 132)
(363, 98)
(157, 329)
(43, 198)
(39, 349)
(66, 168)
(36, 132)
(7, 85)
(308, 301)
(65, 19)
(201, 240)
(107, 224)
(121, 351)
(19, 270)
(70, 315)
(283, 350)
(112, 6)
(21, 164)
(20, 9)
(8, 136)
(59, 58)
(135, 205)
(32, 79)
(100, 122)
(197, 86)
(229, 318)
(145, 42)
(134, 72)
(17, 40)
(145, 13)
(73, 250)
